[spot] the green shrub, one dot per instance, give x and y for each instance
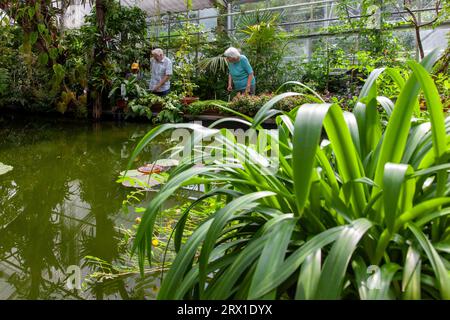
(358, 213)
(146, 103)
(199, 107)
(250, 105)
(142, 106)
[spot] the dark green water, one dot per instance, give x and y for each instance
(61, 203)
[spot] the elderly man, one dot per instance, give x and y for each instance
(161, 72)
(241, 76)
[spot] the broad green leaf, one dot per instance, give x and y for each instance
(399, 124)
(411, 275)
(366, 114)
(43, 58)
(370, 83)
(182, 262)
(415, 139)
(435, 108)
(393, 184)
(42, 28)
(294, 261)
(420, 209)
(309, 277)
(272, 256)
(33, 37)
(191, 278)
(262, 112)
(243, 116)
(241, 263)
(31, 12)
(352, 125)
(59, 71)
(220, 219)
(308, 129)
(144, 233)
(53, 53)
(443, 246)
(441, 273)
(334, 268)
(387, 105)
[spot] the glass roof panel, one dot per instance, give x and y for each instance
(165, 6)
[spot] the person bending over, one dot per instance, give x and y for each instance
(241, 77)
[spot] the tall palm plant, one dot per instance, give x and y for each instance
(359, 210)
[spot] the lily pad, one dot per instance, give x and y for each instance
(4, 168)
(167, 162)
(145, 182)
(130, 173)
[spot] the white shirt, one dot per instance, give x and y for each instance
(159, 70)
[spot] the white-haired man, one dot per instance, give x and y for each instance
(161, 72)
(241, 77)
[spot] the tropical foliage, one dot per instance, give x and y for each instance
(356, 208)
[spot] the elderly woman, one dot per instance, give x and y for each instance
(161, 72)
(241, 76)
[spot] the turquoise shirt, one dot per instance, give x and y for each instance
(239, 72)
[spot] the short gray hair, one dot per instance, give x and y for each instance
(157, 51)
(232, 52)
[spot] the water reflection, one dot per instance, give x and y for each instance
(61, 203)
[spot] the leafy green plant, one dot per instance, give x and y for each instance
(362, 198)
(4, 81)
(199, 107)
(212, 70)
(142, 105)
(184, 67)
(442, 81)
(25, 82)
(171, 110)
(249, 105)
(132, 86)
(265, 45)
(123, 267)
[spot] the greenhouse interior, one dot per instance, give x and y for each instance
(224, 150)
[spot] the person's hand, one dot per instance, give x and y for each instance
(230, 88)
(247, 90)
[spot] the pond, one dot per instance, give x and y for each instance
(61, 203)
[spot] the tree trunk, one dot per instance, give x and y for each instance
(419, 42)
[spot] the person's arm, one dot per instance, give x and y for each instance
(249, 83)
(161, 83)
(248, 68)
(230, 83)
